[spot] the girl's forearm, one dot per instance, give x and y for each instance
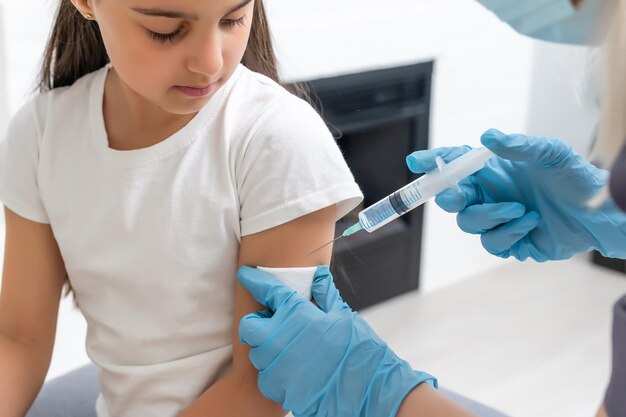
(425, 401)
(234, 395)
(23, 370)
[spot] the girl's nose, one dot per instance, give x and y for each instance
(205, 55)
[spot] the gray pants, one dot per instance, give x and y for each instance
(614, 402)
(74, 395)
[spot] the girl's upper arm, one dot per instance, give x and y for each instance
(286, 245)
(32, 282)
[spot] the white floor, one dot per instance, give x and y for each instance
(528, 339)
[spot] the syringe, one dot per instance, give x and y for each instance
(417, 192)
(420, 191)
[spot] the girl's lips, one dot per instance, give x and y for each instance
(197, 91)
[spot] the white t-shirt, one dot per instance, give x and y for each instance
(150, 237)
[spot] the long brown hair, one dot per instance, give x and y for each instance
(75, 48)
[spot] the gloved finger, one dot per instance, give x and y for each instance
(480, 218)
(425, 161)
(283, 343)
(453, 200)
(541, 151)
(270, 389)
(502, 238)
(265, 353)
(525, 248)
(265, 288)
(325, 293)
(254, 328)
(265, 313)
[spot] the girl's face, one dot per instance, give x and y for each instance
(175, 54)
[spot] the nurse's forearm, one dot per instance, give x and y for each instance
(425, 401)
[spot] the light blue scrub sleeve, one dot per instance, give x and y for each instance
(552, 20)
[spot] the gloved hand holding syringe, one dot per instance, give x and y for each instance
(418, 192)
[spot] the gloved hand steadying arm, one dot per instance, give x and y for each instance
(531, 201)
(321, 361)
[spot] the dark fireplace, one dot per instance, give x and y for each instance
(378, 117)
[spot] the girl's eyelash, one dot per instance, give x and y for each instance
(171, 37)
(165, 37)
(231, 23)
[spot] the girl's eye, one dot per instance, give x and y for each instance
(165, 37)
(231, 23)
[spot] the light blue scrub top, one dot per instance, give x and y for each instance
(552, 20)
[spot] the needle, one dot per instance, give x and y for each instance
(324, 245)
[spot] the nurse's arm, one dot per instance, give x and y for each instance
(236, 394)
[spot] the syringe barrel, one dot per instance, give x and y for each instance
(423, 189)
(391, 207)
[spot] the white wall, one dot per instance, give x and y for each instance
(564, 98)
(26, 24)
(4, 105)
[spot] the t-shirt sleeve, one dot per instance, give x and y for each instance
(292, 167)
(19, 159)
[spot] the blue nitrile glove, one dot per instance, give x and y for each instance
(531, 200)
(321, 361)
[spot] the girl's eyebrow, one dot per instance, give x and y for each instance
(239, 6)
(165, 13)
(181, 15)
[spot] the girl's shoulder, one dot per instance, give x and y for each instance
(258, 84)
(63, 104)
(259, 95)
(75, 97)
(270, 117)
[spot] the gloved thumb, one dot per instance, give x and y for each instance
(325, 293)
(254, 328)
(540, 151)
(265, 288)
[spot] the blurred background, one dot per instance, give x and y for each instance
(496, 330)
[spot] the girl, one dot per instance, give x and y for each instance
(160, 155)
